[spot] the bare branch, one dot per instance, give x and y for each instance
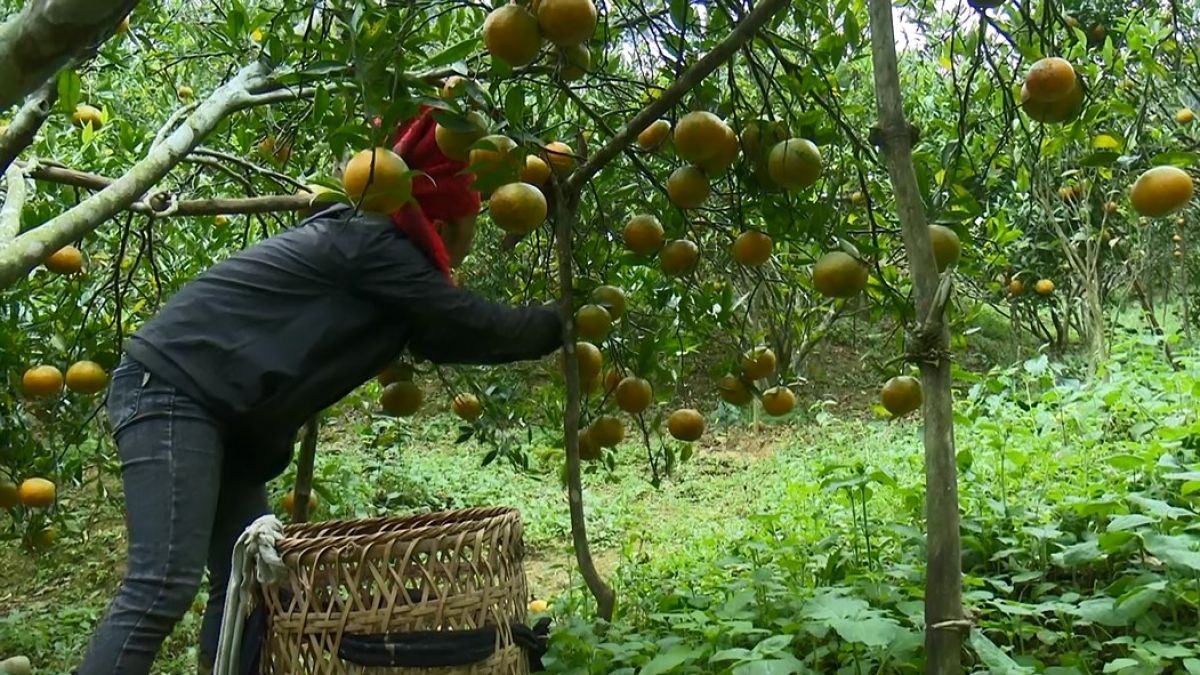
(248, 165)
(740, 35)
(25, 124)
(14, 201)
(46, 35)
(194, 207)
(30, 248)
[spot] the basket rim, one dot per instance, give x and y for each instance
(297, 536)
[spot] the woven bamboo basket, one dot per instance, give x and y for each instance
(446, 571)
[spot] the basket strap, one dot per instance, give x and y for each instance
(441, 649)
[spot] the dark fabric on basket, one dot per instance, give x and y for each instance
(441, 649)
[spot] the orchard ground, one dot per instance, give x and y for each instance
(823, 502)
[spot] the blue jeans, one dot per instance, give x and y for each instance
(183, 513)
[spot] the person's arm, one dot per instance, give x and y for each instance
(451, 324)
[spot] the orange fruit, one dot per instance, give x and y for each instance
(589, 449)
(45, 536)
(85, 114)
(510, 32)
(686, 424)
(688, 187)
(608, 431)
(679, 257)
(36, 493)
(1161, 191)
(268, 148)
(402, 398)
(10, 495)
(758, 138)
(574, 62)
(778, 401)
(185, 92)
(536, 171)
(733, 390)
(588, 360)
(699, 135)
(538, 606)
(567, 22)
(66, 260)
(611, 296)
(453, 86)
(466, 406)
(455, 142)
(1176, 237)
(593, 322)
(1015, 286)
(901, 395)
(1044, 287)
(643, 234)
(495, 157)
(633, 395)
(1059, 111)
(613, 377)
(45, 380)
(395, 372)
(946, 246)
(1185, 116)
(758, 363)
(653, 135)
(752, 248)
(727, 150)
(1050, 79)
(560, 157)
(839, 275)
(289, 501)
(374, 179)
(795, 164)
(86, 377)
(518, 208)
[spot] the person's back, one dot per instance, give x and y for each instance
(206, 403)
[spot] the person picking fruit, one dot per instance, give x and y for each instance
(208, 397)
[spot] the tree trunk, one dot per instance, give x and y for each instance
(304, 469)
(944, 618)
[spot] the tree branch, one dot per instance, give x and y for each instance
(30, 248)
(46, 35)
(740, 35)
(14, 202)
(25, 124)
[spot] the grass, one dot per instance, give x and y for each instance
(793, 547)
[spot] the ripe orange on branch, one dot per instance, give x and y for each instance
(574, 62)
(699, 136)
(688, 187)
(613, 297)
(686, 424)
(86, 114)
(1044, 287)
(375, 179)
(44, 380)
(536, 171)
(1050, 79)
(588, 360)
(559, 156)
(455, 142)
(86, 377)
(652, 136)
(608, 431)
(511, 33)
(589, 449)
(734, 390)
(724, 157)
(839, 275)
(1161, 191)
(10, 495)
(643, 234)
(466, 406)
(289, 501)
(593, 322)
(66, 260)
(679, 257)
(947, 249)
(795, 164)
(567, 22)
(778, 401)
(901, 395)
(518, 208)
(1053, 112)
(402, 398)
(36, 493)
(758, 363)
(752, 248)
(633, 395)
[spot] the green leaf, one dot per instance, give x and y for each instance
(668, 660)
(514, 106)
(1192, 666)
(69, 86)
(679, 9)
(455, 52)
(1129, 521)
(1083, 553)
(1120, 664)
(785, 665)
(997, 662)
(872, 632)
(1175, 158)
(1175, 551)
(1160, 508)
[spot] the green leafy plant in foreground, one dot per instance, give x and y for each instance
(1081, 547)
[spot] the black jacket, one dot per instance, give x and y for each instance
(289, 326)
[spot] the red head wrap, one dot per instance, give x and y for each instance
(444, 193)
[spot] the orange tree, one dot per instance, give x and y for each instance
(710, 185)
